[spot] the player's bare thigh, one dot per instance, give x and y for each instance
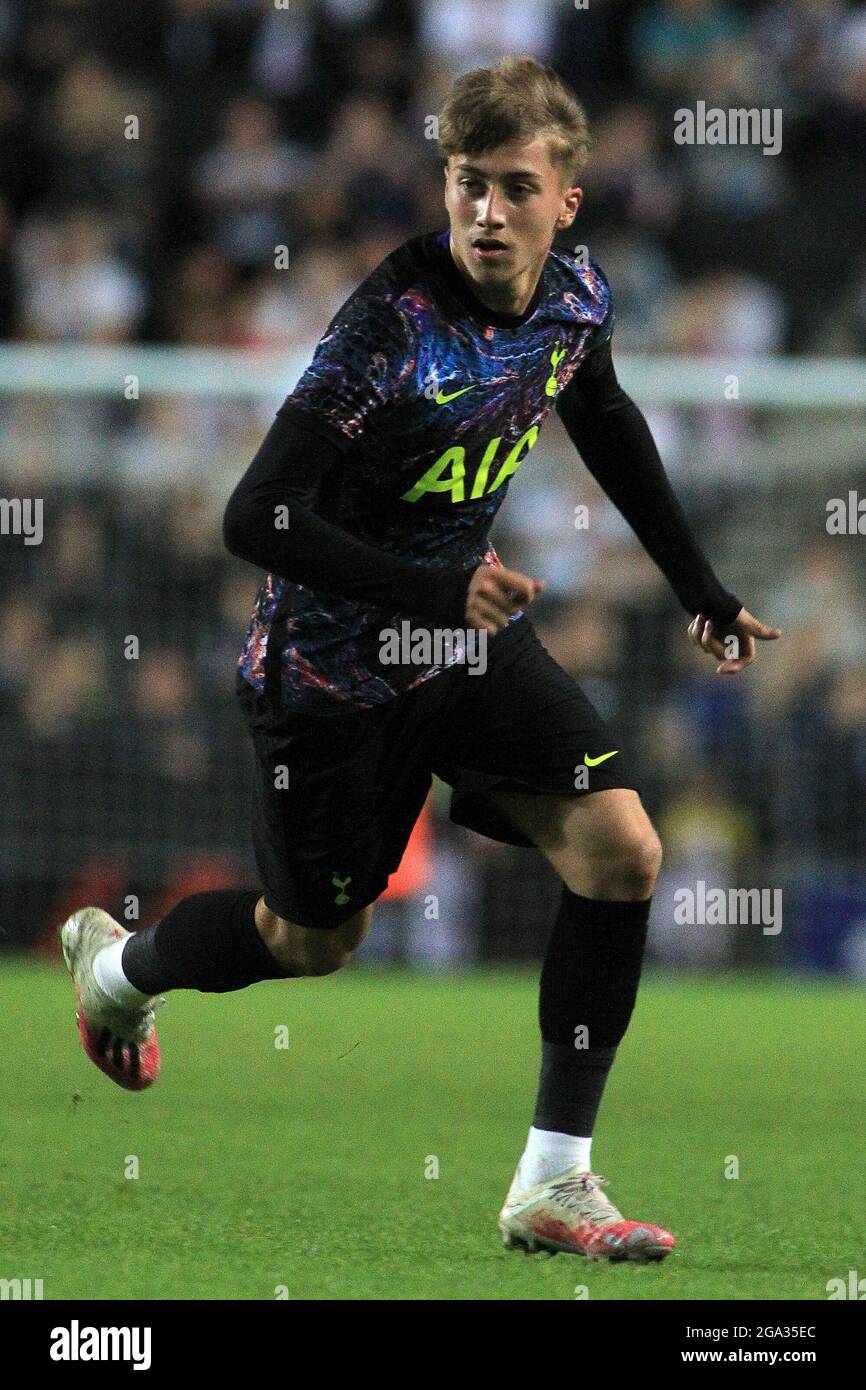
(312, 950)
(602, 845)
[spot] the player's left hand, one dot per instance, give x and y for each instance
(703, 632)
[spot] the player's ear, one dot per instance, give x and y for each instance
(574, 197)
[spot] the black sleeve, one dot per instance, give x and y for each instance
(617, 447)
(289, 470)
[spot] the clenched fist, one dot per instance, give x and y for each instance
(495, 593)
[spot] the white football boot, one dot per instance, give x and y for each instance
(570, 1213)
(121, 1042)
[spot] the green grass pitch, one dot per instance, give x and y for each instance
(302, 1168)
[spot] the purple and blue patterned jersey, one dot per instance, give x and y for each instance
(435, 402)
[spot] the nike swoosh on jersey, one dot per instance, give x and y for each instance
(593, 762)
(443, 400)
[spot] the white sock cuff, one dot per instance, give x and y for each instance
(108, 973)
(549, 1153)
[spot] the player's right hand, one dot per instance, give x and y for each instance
(495, 593)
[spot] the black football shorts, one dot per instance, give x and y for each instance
(336, 796)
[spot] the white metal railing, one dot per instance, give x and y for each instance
(69, 369)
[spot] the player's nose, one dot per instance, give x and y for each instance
(491, 216)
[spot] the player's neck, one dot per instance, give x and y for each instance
(513, 298)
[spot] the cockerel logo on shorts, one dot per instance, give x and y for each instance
(342, 896)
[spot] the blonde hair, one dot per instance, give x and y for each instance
(519, 99)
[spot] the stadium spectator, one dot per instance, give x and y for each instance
(307, 127)
(75, 287)
(673, 40)
(249, 182)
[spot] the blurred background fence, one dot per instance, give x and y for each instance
(163, 281)
(125, 760)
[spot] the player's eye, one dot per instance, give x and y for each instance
(516, 188)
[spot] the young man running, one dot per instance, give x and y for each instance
(369, 505)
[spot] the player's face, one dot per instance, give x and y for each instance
(513, 195)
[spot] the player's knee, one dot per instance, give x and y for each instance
(322, 952)
(625, 867)
(640, 863)
(308, 950)
(322, 960)
(311, 950)
(632, 867)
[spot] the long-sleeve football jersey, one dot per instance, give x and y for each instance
(426, 403)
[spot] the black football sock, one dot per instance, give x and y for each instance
(208, 942)
(589, 981)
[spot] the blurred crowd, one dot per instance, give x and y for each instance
(154, 157)
(121, 740)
